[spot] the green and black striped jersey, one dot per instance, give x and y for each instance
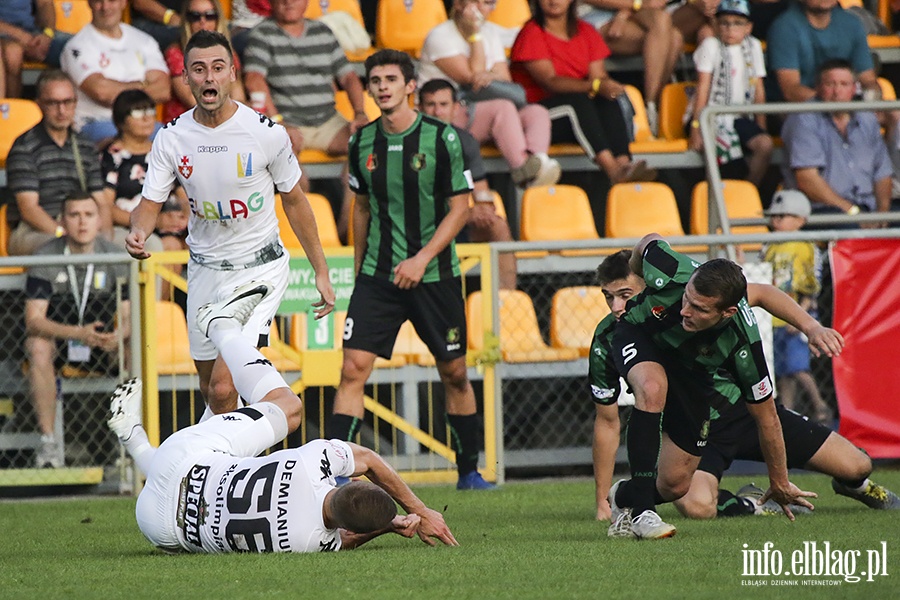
(730, 352)
(409, 178)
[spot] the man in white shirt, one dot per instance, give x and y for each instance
(208, 490)
(229, 159)
(106, 58)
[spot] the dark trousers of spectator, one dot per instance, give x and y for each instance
(594, 124)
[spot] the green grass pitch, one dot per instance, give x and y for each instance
(526, 540)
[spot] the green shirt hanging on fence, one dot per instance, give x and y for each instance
(409, 178)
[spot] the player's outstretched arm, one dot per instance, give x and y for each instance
(605, 444)
(771, 441)
(143, 220)
(822, 340)
(380, 473)
(303, 221)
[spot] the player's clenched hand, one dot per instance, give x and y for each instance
(134, 244)
(788, 495)
(432, 525)
(604, 512)
(824, 340)
(409, 272)
(406, 525)
(326, 296)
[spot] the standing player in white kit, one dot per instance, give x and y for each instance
(230, 160)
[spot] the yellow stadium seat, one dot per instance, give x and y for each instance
(635, 209)
(574, 314)
(887, 89)
(343, 106)
(556, 212)
(71, 15)
(16, 117)
(226, 8)
(520, 336)
(511, 14)
(173, 356)
(644, 140)
(741, 202)
(403, 24)
(325, 223)
(672, 103)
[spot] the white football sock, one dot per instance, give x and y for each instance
(138, 447)
(252, 373)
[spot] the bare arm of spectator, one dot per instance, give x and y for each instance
(154, 11)
(37, 324)
(791, 88)
(255, 83)
(701, 99)
(33, 213)
(104, 90)
(104, 208)
(811, 183)
(869, 82)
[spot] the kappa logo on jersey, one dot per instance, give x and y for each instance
(192, 508)
(212, 149)
(763, 389)
(329, 546)
(244, 164)
(325, 465)
(659, 312)
(371, 162)
(417, 162)
(186, 165)
(602, 393)
(229, 418)
(227, 210)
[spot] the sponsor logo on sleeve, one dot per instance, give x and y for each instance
(763, 389)
(602, 393)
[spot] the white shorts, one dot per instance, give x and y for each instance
(233, 434)
(211, 285)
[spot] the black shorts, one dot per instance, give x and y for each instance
(739, 440)
(690, 394)
(378, 308)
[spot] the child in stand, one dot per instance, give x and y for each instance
(730, 70)
(795, 270)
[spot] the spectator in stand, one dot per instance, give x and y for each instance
(468, 51)
(160, 19)
(70, 312)
(196, 15)
(106, 58)
(839, 160)
(291, 66)
(437, 98)
(245, 15)
(730, 70)
(803, 37)
(558, 59)
(694, 19)
(47, 164)
(27, 32)
(643, 28)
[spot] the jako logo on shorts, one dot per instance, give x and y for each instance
(227, 209)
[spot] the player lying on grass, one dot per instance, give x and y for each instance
(732, 436)
(207, 489)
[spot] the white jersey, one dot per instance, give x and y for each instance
(265, 504)
(229, 174)
(127, 58)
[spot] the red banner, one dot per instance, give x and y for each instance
(867, 374)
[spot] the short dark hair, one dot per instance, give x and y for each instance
(127, 101)
(76, 196)
(720, 278)
(433, 86)
(831, 64)
(614, 267)
(48, 77)
(392, 57)
(206, 39)
(362, 507)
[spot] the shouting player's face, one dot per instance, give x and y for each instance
(699, 313)
(209, 74)
(388, 89)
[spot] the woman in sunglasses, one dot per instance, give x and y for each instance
(196, 15)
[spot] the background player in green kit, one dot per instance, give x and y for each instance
(412, 188)
(690, 330)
